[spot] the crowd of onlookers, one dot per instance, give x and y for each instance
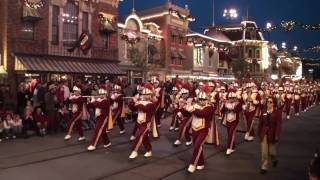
(44, 107)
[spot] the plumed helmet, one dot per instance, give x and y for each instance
(76, 89)
(147, 89)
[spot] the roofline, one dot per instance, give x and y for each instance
(208, 37)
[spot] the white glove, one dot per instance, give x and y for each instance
(179, 114)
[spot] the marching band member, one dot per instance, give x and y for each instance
(145, 122)
(304, 99)
(103, 120)
(288, 99)
(231, 108)
(175, 106)
(184, 115)
(137, 97)
(297, 99)
(118, 110)
(269, 131)
(252, 100)
(159, 93)
(78, 104)
(222, 99)
(201, 120)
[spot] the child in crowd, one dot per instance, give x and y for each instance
(17, 125)
(28, 122)
(28, 110)
(7, 123)
(42, 121)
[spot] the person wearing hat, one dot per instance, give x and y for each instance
(231, 110)
(184, 116)
(202, 113)
(269, 129)
(103, 119)
(252, 100)
(297, 99)
(288, 99)
(78, 103)
(146, 108)
(118, 109)
(51, 101)
(175, 106)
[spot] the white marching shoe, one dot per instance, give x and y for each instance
(246, 136)
(229, 151)
(91, 148)
(122, 132)
(133, 155)
(171, 128)
(67, 137)
(191, 168)
(176, 129)
(250, 138)
(188, 143)
(81, 138)
(132, 138)
(107, 145)
(200, 167)
(148, 154)
(177, 143)
(288, 117)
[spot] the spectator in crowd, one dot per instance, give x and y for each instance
(66, 90)
(42, 90)
(22, 98)
(17, 125)
(28, 110)
(7, 124)
(28, 122)
(41, 120)
(51, 110)
(7, 98)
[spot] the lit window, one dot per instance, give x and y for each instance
(55, 24)
(70, 23)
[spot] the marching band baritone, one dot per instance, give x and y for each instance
(78, 108)
(103, 119)
(202, 113)
(146, 108)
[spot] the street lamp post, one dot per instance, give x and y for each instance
(230, 13)
(268, 27)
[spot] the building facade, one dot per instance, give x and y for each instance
(59, 39)
(249, 46)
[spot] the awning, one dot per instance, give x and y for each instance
(66, 65)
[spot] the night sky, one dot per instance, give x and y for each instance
(263, 11)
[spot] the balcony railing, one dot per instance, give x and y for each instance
(42, 47)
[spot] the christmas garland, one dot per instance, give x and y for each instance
(182, 17)
(287, 26)
(34, 5)
(130, 40)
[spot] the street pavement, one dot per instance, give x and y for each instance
(51, 158)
